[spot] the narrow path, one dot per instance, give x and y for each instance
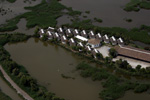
(15, 86)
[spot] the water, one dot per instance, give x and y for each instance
(111, 12)
(46, 63)
(8, 90)
(16, 7)
(22, 28)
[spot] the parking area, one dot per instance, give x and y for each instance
(104, 50)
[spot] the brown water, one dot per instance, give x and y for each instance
(46, 63)
(8, 90)
(110, 11)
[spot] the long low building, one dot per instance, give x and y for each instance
(134, 53)
(81, 38)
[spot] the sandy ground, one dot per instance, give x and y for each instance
(104, 50)
(133, 62)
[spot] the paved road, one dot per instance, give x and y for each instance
(15, 86)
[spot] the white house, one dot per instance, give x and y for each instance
(106, 39)
(68, 32)
(91, 34)
(41, 32)
(75, 32)
(72, 42)
(51, 29)
(50, 35)
(113, 40)
(63, 39)
(120, 41)
(83, 33)
(98, 36)
(94, 52)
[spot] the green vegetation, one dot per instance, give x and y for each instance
(135, 34)
(73, 13)
(128, 20)
(88, 12)
(4, 96)
(135, 5)
(98, 20)
(113, 53)
(44, 14)
(67, 77)
(18, 73)
(11, 1)
(114, 87)
(11, 25)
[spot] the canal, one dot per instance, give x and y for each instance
(5, 88)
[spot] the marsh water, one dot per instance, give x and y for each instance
(46, 62)
(14, 9)
(8, 90)
(110, 11)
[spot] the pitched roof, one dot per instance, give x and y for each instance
(42, 31)
(94, 41)
(72, 40)
(64, 37)
(120, 39)
(60, 29)
(49, 33)
(133, 52)
(99, 35)
(84, 32)
(89, 48)
(106, 37)
(76, 31)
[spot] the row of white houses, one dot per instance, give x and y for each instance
(68, 35)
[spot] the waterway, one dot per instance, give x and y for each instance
(8, 90)
(46, 62)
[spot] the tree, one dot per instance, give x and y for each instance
(23, 80)
(138, 67)
(99, 55)
(15, 71)
(113, 52)
(45, 37)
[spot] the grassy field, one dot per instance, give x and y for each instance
(4, 96)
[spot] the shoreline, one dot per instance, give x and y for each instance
(15, 86)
